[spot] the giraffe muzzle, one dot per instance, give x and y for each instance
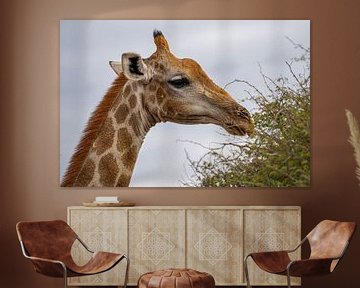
(239, 121)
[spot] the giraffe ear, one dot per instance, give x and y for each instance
(134, 67)
(116, 66)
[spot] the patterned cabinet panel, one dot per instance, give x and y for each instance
(271, 229)
(101, 230)
(214, 244)
(210, 239)
(156, 240)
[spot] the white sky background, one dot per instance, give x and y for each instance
(226, 50)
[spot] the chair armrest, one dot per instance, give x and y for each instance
(48, 267)
(46, 260)
(309, 267)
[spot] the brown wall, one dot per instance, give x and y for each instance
(29, 119)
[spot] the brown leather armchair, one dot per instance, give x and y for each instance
(328, 242)
(48, 245)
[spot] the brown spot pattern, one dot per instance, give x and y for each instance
(106, 137)
(91, 131)
(132, 101)
(134, 123)
(108, 170)
(129, 157)
(121, 113)
(126, 91)
(123, 181)
(86, 174)
(117, 102)
(124, 140)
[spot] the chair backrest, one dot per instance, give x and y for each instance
(329, 239)
(46, 239)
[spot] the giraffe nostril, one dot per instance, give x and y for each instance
(243, 113)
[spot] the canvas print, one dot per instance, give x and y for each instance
(180, 103)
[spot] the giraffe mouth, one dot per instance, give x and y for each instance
(241, 129)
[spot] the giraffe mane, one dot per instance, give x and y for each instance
(91, 131)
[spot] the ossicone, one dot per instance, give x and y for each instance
(160, 42)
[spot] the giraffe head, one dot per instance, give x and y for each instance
(178, 90)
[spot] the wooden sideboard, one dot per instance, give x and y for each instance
(212, 239)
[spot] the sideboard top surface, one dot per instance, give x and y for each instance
(193, 207)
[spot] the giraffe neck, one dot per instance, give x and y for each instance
(112, 156)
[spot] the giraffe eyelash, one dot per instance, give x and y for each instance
(179, 81)
(177, 77)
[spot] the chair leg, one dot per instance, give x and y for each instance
(288, 278)
(246, 270)
(127, 271)
(65, 276)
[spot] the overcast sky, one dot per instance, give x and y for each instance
(226, 50)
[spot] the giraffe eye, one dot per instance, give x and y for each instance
(179, 82)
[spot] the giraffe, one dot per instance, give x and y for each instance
(148, 91)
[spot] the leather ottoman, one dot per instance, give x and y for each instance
(176, 278)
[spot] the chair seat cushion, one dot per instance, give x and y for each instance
(176, 278)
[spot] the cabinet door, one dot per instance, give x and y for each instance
(156, 240)
(214, 244)
(270, 230)
(100, 230)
